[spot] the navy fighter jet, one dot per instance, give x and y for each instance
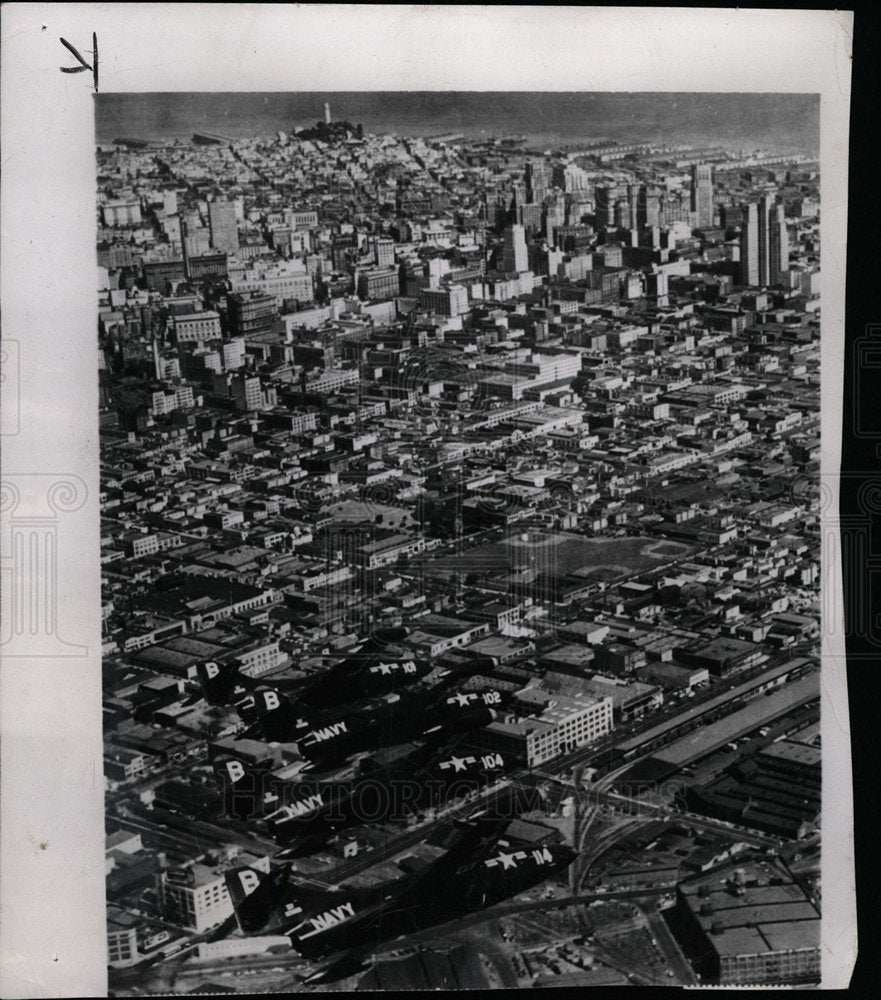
(302, 814)
(478, 869)
(332, 736)
(365, 673)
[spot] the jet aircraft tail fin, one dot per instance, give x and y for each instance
(255, 895)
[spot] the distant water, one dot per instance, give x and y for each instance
(781, 122)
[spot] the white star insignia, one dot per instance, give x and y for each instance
(463, 699)
(506, 860)
(458, 763)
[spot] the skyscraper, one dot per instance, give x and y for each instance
(384, 252)
(530, 216)
(514, 255)
(764, 243)
(778, 245)
(570, 177)
(222, 224)
(605, 197)
(633, 206)
(765, 207)
(538, 179)
(702, 194)
(648, 207)
(521, 195)
(749, 245)
(555, 215)
(673, 207)
(495, 208)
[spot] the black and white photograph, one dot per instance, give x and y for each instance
(465, 584)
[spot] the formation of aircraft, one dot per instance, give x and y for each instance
(364, 673)
(302, 814)
(342, 712)
(479, 868)
(367, 673)
(411, 716)
(366, 700)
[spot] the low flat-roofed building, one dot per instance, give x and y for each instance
(251, 752)
(169, 661)
(532, 833)
(569, 658)
(438, 633)
(385, 551)
(500, 613)
(708, 738)
(500, 647)
(583, 631)
(259, 657)
(777, 791)
(122, 938)
(721, 655)
(124, 763)
(123, 840)
(748, 925)
(673, 677)
(629, 698)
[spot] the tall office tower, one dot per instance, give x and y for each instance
(538, 180)
(157, 358)
(327, 114)
(765, 208)
(778, 245)
(222, 224)
(648, 209)
(514, 255)
(749, 245)
(656, 287)
(570, 177)
(702, 194)
(604, 202)
(576, 179)
(384, 251)
(578, 205)
(521, 195)
(195, 241)
(633, 206)
(555, 215)
(183, 225)
(494, 208)
(530, 216)
(673, 207)
(730, 216)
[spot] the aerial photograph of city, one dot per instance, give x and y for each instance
(460, 539)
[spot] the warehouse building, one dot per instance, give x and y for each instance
(555, 724)
(748, 925)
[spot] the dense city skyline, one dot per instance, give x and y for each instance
(459, 511)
